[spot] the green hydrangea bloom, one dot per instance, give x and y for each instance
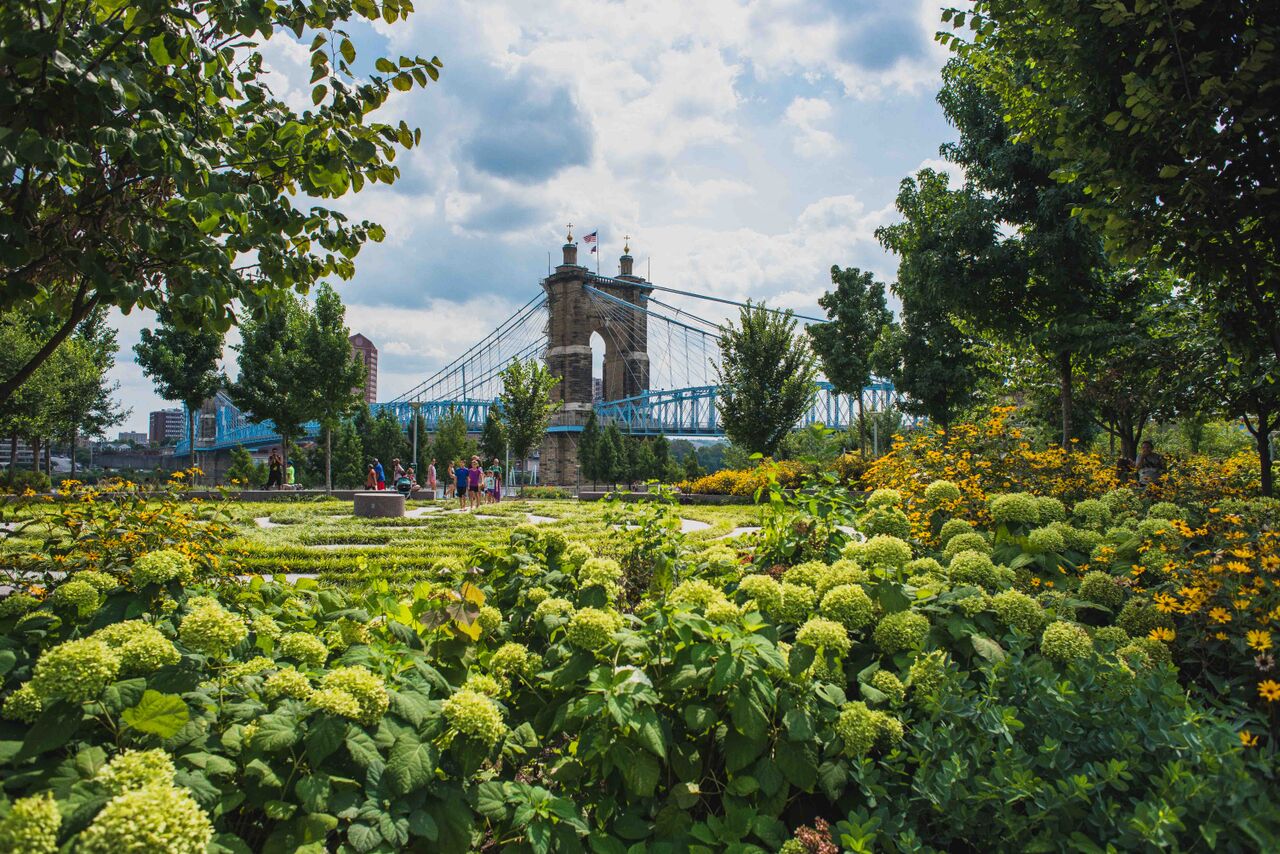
(925, 566)
(305, 648)
(600, 572)
(972, 606)
(797, 603)
(927, 672)
(512, 658)
(1015, 508)
(1063, 642)
(889, 684)
(335, 702)
(593, 628)
(1057, 602)
(553, 607)
(1166, 510)
(722, 611)
(885, 498)
(966, 542)
(352, 632)
(76, 671)
(941, 492)
(719, 557)
(1077, 539)
(1041, 540)
(1051, 510)
(78, 596)
(900, 631)
(1135, 656)
(793, 846)
(1112, 636)
(1092, 514)
(554, 542)
(840, 573)
(951, 528)
(490, 619)
(142, 647)
(252, 667)
(211, 629)
(1139, 617)
(537, 595)
(886, 521)
(475, 715)
(17, 604)
(576, 556)
(848, 605)
(1158, 529)
(1122, 501)
(23, 705)
(859, 728)
(368, 690)
(288, 683)
(1101, 589)
(144, 821)
(264, 625)
(766, 592)
(1157, 651)
(694, 594)
(806, 573)
(525, 533)
(970, 567)
(31, 826)
(821, 633)
(100, 580)
(134, 769)
(1018, 611)
(483, 683)
(884, 550)
(161, 567)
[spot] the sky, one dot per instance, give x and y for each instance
(745, 146)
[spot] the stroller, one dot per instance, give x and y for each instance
(404, 486)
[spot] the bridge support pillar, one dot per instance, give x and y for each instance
(573, 316)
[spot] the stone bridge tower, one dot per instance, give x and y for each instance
(574, 314)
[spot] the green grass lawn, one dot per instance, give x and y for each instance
(322, 538)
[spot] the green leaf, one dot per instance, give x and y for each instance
(987, 648)
(640, 773)
(403, 82)
(797, 764)
(491, 801)
(158, 714)
(422, 824)
(7, 660)
(54, 728)
(348, 50)
(799, 728)
(385, 65)
(276, 732)
(363, 749)
(800, 659)
(650, 733)
(411, 764)
(314, 827)
(318, 93)
(158, 51)
(313, 792)
(363, 837)
(326, 735)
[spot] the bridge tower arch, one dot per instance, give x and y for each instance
(573, 315)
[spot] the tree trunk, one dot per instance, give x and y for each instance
(13, 454)
(1064, 392)
(35, 454)
(79, 311)
(328, 459)
(74, 432)
(1264, 459)
(862, 429)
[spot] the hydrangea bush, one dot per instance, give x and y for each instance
(874, 689)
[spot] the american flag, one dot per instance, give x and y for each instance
(591, 239)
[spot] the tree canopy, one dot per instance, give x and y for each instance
(183, 364)
(525, 404)
(146, 161)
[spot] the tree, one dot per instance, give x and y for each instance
(857, 313)
(242, 469)
(183, 364)
(643, 464)
(274, 382)
(766, 376)
(337, 375)
(451, 437)
(588, 448)
(493, 440)
(611, 461)
(525, 404)
(692, 471)
(387, 441)
(929, 360)
(1166, 120)
(661, 457)
(152, 165)
(348, 459)
(86, 400)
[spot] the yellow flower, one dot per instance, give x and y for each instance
(1220, 636)
(1161, 633)
(1248, 739)
(1259, 639)
(1220, 615)
(1269, 690)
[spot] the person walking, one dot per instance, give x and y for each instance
(275, 469)
(431, 478)
(371, 478)
(382, 475)
(397, 470)
(461, 477)
(494, 482)
(475, 482)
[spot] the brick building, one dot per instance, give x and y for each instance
(165, 425)
(368, 354)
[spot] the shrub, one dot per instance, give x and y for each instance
(1018, 611)
(1101, 589)
(849, 605)
(941, 492)
(885, 520)
(970, 541)
(901, 631)
(1064, 642)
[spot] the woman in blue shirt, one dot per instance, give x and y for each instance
(461, 474)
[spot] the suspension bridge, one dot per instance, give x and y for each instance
(659, 369)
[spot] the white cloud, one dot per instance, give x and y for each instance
(810, 140)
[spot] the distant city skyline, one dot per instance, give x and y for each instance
(744, 159)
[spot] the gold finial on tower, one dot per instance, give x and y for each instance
(626, 245)
(569, 237)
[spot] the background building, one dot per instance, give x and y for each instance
(166, 425)
(132, 436)
(368, 354)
